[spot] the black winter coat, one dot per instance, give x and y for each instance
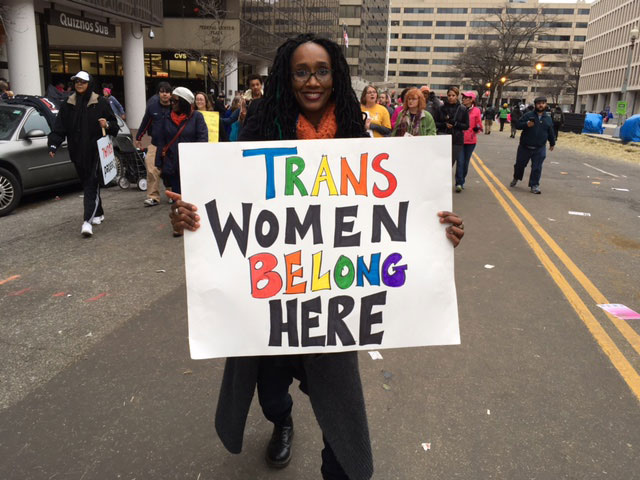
(541, 132)
(153, 120)
(83, 150)
(333, 385)
(456, 115)
(195, 130)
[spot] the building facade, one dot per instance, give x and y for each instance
(606, 57)
(428, 36)
(367, 26)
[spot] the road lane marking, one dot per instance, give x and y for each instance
(19, 292)
(10, 279)
(97, 297)
(608, 346)
(598, 297)
(601, 171)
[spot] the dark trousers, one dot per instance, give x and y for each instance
(91, 181)
(502, 122)
(274, 378)
(556, 129)
(456, 151)
(523, 156)
(172, 182)
(463, 162)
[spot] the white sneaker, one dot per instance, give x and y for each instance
(87, 229)
(97, 220)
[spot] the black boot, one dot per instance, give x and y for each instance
(279, 448)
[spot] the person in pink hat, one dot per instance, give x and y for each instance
(470, 138)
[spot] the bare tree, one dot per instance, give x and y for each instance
(572, 74)
(504, 48)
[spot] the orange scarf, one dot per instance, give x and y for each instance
(327, 128)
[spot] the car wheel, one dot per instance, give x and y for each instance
(142, 184)
(10, 192)
(124, 182)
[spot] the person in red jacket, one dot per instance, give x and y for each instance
(470, 138)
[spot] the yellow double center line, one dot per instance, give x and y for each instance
(608, 346)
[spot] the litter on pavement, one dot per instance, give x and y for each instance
(426, 446)
(582, 214)
(375, 355)
(621, 311)
(488, 266)
(551, 219)
(620, 189)
(596, 183)
(161, 271)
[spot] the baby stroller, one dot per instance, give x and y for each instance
(131, 166)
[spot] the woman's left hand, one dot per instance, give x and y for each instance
(455, 231)
(102, 122)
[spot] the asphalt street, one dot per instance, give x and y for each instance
(97, 382)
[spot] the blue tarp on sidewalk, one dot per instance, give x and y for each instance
(630, 131)
(593, 123)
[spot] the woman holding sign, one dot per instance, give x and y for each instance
(308, 95)
(211, 117)
(83, 119)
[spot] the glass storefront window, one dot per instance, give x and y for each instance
(196, 69)
(178, 69)
(158, 66)
(107, 64)
(72, 62)
(57, 65)
(119, 70)
(90, 62)
(147, 65)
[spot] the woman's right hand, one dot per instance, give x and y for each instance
(183, 215)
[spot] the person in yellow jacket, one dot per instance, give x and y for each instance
(211, 118)
(378, 120)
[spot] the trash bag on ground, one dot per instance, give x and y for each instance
(630, 131)
(593, 123)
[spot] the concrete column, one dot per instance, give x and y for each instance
(600, 103)
(230, 60)
(22, 47)
(133, 67)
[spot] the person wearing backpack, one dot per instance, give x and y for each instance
(183, 125)
(516, 113)
(488, 116)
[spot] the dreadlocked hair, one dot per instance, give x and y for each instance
(279, 107)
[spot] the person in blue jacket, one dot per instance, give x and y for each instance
(537, 129)
(184, 124)
(158, 108)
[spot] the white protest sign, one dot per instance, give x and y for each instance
(107, 159)
(318, 246)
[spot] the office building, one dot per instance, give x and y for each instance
(427, 36)
(606, 56)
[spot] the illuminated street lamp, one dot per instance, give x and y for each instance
(538, 67)
(633, 36)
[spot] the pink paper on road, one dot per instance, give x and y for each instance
(620, 311)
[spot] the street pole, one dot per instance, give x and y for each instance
(623, 91)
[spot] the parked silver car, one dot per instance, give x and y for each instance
(25, 164)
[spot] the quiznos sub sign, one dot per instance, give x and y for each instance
(318, 246)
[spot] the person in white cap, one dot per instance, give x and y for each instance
(183, 125)
(82, 119)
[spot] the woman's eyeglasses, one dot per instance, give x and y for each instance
(81, 82)
(302, 76)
